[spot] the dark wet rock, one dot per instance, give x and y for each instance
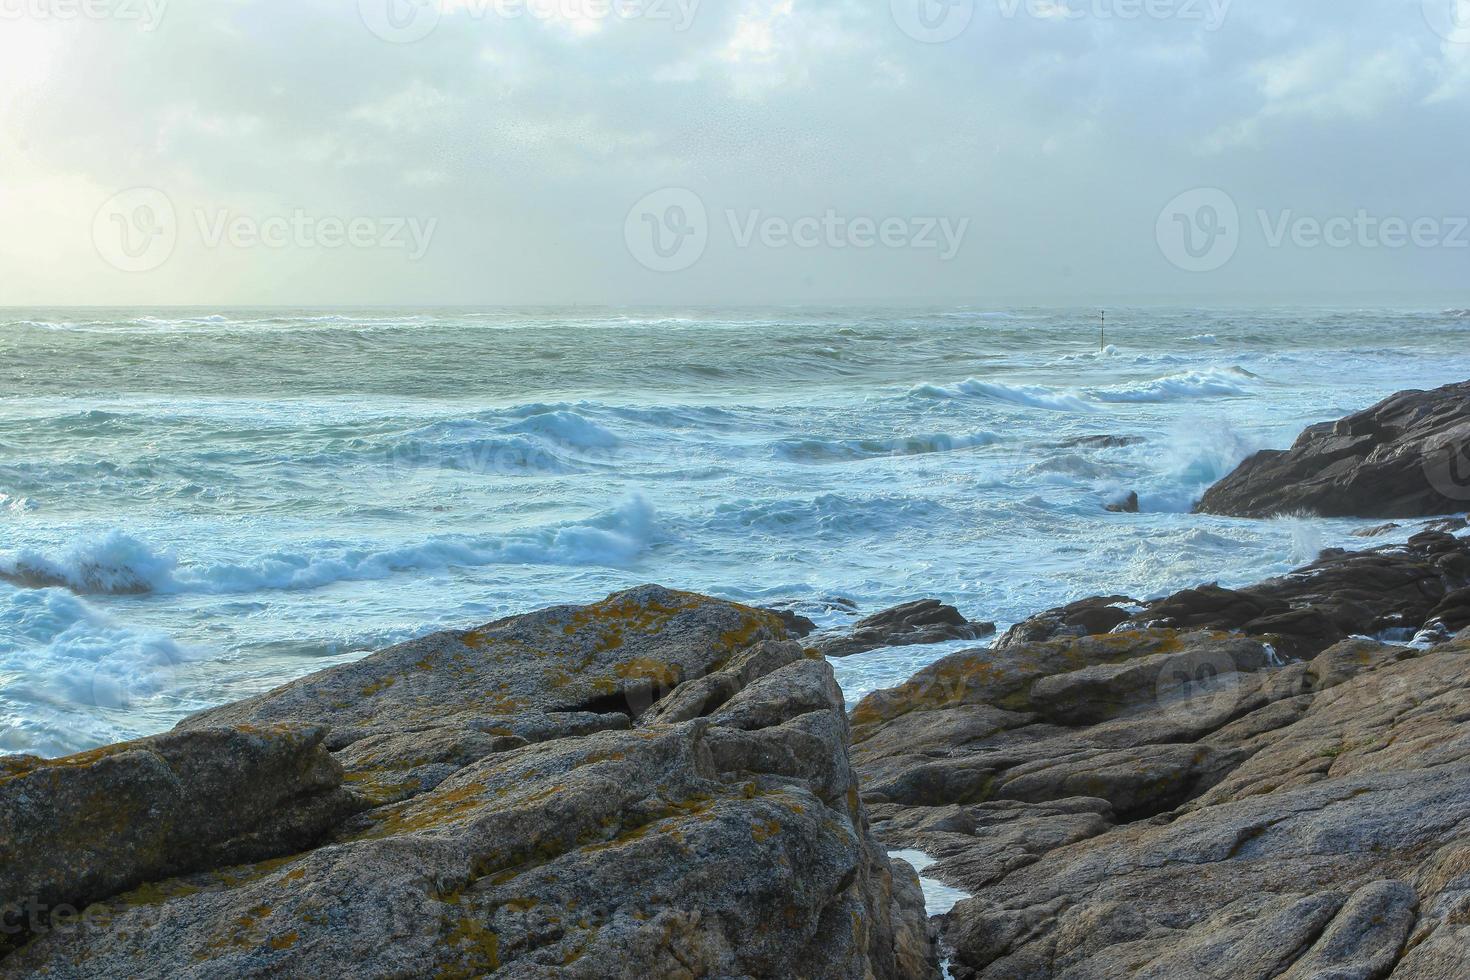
(1128, 505)
(1102, 442)
(912, 624)
(657, 785)
(796, 624)
(1248, 820)
(1408, 456)
(1101, 614)
(1377, 532)
(1452, 614)
(1394, 588)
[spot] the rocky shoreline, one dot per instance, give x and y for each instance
(1263, 782)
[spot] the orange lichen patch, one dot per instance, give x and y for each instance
(756, 622)
(157, 893)
(765, 830)
(475, 639)
(647, 669)
(435, 810)
(619, 615)
(378, 686)
(27, 765)
(285, 942)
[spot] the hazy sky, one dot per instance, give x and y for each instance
(733, 151)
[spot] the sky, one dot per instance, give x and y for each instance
(750, 152)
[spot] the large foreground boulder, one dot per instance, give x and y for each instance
(1401, 589)
(1205, 813)
(1408, 456)
(84, 828)
(654, 786)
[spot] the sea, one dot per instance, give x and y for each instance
(197, 505)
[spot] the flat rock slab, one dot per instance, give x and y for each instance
(1302, 820)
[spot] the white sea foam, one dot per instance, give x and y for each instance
(119, 563)
(1026, 396)
(1179, 387)
(840, 450)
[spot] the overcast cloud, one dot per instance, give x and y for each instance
(784, 151)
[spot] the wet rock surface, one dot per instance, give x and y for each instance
(1168, 804)
(1408, 456)
(911, 624)
(653, 786)
(1404, 588)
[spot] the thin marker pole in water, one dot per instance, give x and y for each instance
(1102, 338)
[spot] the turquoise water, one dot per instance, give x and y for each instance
(199, 505)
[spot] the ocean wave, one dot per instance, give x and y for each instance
(61, 660)
(1026, 396)
(1179, 387)
(566, 428)
(845, 450)
(117, 563)
(828, 515)
(114, 564)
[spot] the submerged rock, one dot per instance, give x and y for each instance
(1204, 814)
(657, 785)
(1128, 505)
(1408, 456)
(1402, 588)
(911, 624)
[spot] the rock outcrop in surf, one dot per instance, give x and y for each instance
(1408, 456)
(1419, 586)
